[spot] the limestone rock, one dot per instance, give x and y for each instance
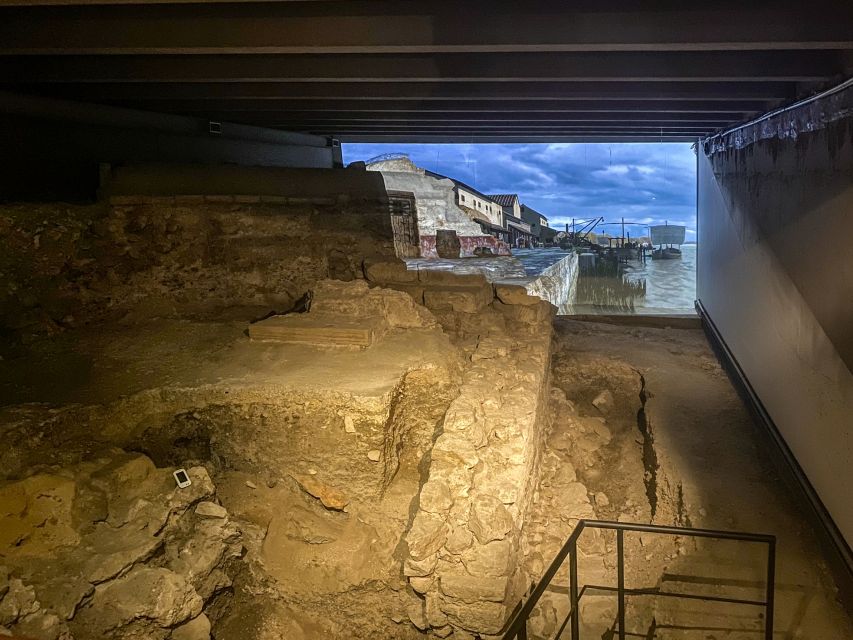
(349, 425)
(199, 554)
(604, 402)
(420, 568)
(20, 600)
(492, 559)
(208, 509)
(432, 607)
(374, 455)
(417, 615)
(426, 536)
(458, 299)
(113, 554)
(488, 519)
(330, 497)
(383, 271)
(435, 497)
(514, 294)
(422, 584)
(36, 515)
(41, 624)
(459, 540)
(155, 594)
(479, 617)
(4, 581)
(196, 629)
(461, 585)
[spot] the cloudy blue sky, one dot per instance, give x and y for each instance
(646, 183)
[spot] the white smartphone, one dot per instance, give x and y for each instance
(182, 478)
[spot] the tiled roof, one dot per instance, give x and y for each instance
(504, 199)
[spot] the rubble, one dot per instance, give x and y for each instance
(88, 566)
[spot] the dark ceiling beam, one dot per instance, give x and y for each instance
(424, 91)
(509, 138)
(482, 106)
(342, 116)
(752, 66)
(409, 26)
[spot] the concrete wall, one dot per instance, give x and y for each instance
(775, 275)
(57, 145)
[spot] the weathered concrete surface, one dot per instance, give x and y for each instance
(775, 276)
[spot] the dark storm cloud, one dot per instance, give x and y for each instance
(647, 183)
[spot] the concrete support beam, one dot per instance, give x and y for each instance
(689, 67)
(410, 26)
(438, 64)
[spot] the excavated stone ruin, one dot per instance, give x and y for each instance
(374, 451)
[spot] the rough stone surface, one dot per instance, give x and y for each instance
(330, 497)
(489, 520)
(604, 402)
(87, 569)
(210, 510)
(427, 535)
(514, 294)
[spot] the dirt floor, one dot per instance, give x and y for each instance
(646, 427)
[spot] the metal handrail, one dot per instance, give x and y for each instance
(517, 628)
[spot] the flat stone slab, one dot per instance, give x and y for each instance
(304, 330)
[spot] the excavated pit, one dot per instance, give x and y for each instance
(411, 487)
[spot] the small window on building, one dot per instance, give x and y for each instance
(462, 197)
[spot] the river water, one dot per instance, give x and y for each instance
(654, 287)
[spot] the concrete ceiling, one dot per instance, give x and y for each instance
(372, 70)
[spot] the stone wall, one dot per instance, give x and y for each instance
(558, 283)
(64, 265)
(463, 559)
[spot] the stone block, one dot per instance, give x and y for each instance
(461, 585)
(479, 617)
(207, 509)
(414, 290)
(514, 294)
(435, 497)
(458, 299)
(489, 560)
(535, 314)
(488, 519)
(384, 271)
(291, 329)
(448, 277)
(420, 568)
(426, 536)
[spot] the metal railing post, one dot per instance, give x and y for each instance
(771, 590)
(620, 577)
(573, 591)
